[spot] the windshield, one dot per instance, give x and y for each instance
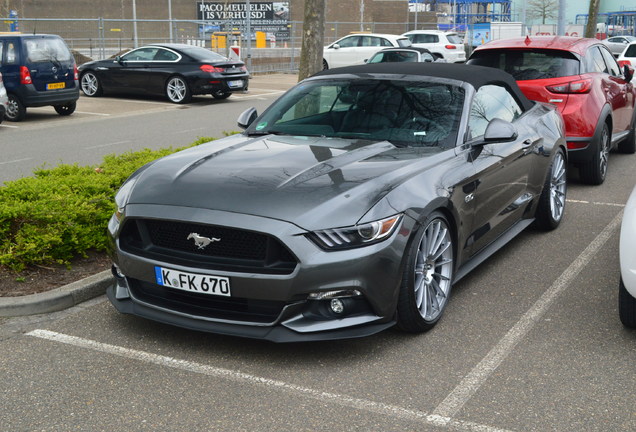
(46, 50)
(405, 113)
(528, 64)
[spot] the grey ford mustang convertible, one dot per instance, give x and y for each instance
(352, 204)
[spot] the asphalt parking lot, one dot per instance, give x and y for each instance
(530, 341)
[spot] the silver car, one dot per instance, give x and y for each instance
(617, 44)
(4, 100)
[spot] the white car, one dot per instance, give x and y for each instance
(628, 56)
(4, 100)
(627, 258)
(617, 44)
(357, 48)
(443, 45)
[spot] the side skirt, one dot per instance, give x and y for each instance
(485, 253)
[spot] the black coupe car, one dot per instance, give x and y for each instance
(177, 71)
(353, 203)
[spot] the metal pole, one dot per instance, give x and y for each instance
(249, 35)
(135, 40)
(361, 15)
(561, 21)
(170, 19)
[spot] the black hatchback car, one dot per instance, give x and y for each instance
(177, 71)
(38, 70)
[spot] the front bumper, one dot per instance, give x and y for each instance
(274, 307)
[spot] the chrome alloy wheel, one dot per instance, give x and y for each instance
(604, 153)
(433, 270)
(90, 84)
(177, 90)
(558, 186)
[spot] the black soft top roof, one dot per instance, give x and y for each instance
(477, 76)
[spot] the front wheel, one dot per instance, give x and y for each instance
(90, 84)
(16, 111)
(552, 200)
(626, 306)
(220, 94)
(428, 276)
(595, 171)
(325, 65)
(66, 109)
(177, 90)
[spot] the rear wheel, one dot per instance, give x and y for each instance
(552, 200)
(220, 94)
(177, 90)
(66, 109)
(626, 306)
(595, 171)
(428, 275)
(90, 84)
(16, 111)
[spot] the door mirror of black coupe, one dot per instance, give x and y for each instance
(628, 72)
(247, 118)
(499, 130)
(119, 60)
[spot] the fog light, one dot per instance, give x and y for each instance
(337, 306)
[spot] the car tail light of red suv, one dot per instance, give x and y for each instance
(579, 86)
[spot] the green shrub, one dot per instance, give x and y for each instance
(61, 213)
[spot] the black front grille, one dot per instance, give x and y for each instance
(202, 305)
(206, 246)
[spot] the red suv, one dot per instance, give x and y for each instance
(581, 77)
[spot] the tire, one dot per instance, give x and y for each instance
(16, 111)
(177, 90)
(325, 65)
(428, 276)
(220, 94)
(628, 145)
(594, 172)
(90, 84)
(66, 109)
(552, 200)
(626, 306)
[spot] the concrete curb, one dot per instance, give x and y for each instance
(57, 299)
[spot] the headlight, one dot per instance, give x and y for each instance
(355, 236)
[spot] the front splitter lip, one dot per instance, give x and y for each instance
(276, 333)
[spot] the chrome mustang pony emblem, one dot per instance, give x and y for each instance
(200, 241)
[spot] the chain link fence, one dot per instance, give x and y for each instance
(98, 38)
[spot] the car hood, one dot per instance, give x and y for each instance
(309, 181)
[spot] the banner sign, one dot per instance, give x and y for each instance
(269, 17)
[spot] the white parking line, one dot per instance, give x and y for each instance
(93, 113)
(9, 126)
(325, 397)
(107, 145)
(14, 161)
(256, 96)
(595, 203)
(480, 373)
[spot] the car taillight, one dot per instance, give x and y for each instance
(25, 75)
(75, 73)
(581, 86)
(243, 69)
(210, 68)
(450, 47)
(622, 63)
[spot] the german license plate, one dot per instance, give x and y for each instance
(193, 282)
(54, 86)
(234, 84)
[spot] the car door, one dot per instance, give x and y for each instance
(164, 64)
(131, 71)
(341, 52)
(502, 168)
(619, 92)
(368, 46)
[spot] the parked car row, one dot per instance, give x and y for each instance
(358, 48)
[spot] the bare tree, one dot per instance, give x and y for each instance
(542, 9)
(313, 39)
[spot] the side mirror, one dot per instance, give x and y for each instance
(335, 46)
(247, 117)
(499, 130)
(119, 60)
(628, 72)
